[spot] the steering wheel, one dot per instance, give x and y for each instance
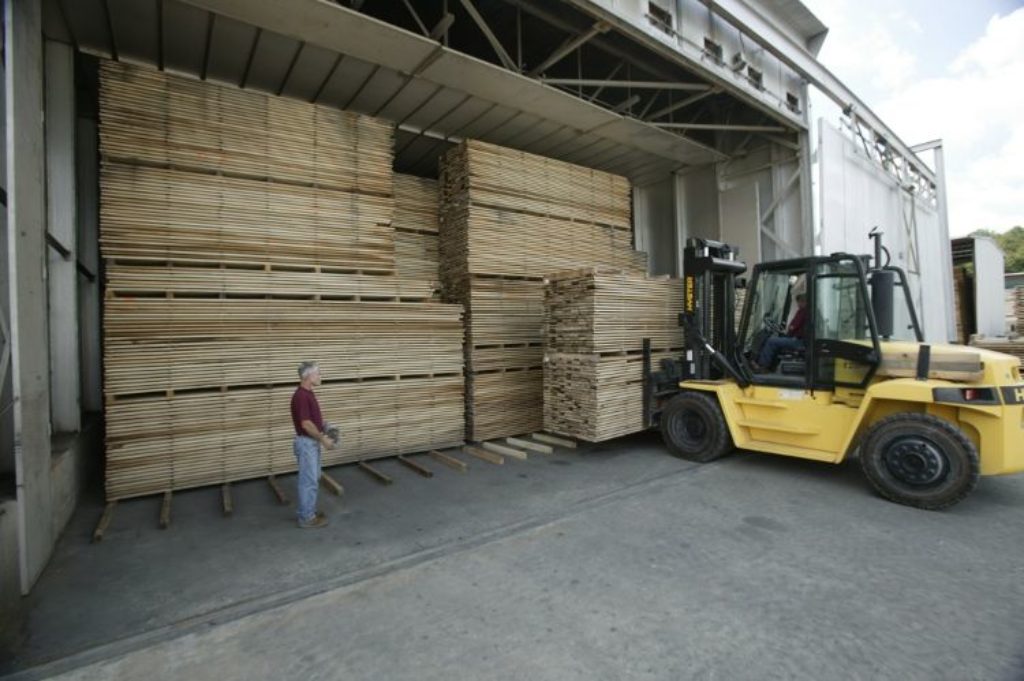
(773, 327)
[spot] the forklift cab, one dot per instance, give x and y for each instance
(839, 343)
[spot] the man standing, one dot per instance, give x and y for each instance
(796, 335)
(309, 436)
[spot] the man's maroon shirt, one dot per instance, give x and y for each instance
(797, 324)
(306, 408)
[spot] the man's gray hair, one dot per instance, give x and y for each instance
(306, 368)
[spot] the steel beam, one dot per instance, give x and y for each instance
(683, 104)
(724, 127)
(489, 34)
(441, 27)
(631, 84)
(619, 108)
(796, 57)
(568, 46)
(416, 18)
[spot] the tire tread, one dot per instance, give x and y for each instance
(973, 472)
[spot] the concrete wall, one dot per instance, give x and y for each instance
(654, 221)
(10, 581)
(27, 252)
(62, 225)
(89, 318)
(42, 297)
(697, 200)
(728, 201)
(6, 395)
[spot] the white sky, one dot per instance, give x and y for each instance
(950, 69)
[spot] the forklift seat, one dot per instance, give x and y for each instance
(792, 362)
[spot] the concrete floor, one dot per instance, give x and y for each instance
(617, 562)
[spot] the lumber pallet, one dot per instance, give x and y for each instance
(1018, 308)
(198, 439)
(243, 233)
(508, 219)
(416, 227)
(606, 311)
(595, 323)
(595, 397)
(172, 214)
(180, 344)
(417, 204)
(149, 117)
(238, 280)
(1008, 346)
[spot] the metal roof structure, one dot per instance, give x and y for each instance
(441, 88)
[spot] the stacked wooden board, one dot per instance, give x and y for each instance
(596, 321)
(963, 303)
(1018, 308)
(415, 227)
(1008, 346)
(508, 219)
(242, 234)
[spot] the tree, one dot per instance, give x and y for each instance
(1011, 242)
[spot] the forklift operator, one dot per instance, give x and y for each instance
(794, 339)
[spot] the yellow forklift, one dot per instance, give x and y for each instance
(856, 377)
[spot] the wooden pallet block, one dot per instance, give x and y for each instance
(552, 440)
(498, 448)
(530, 445)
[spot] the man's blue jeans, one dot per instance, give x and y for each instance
(773, 346)
(307, 453)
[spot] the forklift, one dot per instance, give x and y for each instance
(856, 377)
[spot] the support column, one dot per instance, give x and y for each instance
(62, 268)
(27, 280)
(87, 187)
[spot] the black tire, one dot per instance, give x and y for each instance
(694, 429)
(920, 460)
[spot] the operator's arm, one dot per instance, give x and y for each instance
(315, 433)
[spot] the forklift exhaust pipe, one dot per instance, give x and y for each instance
(883, 285)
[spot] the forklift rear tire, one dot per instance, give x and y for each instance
(694, 429)
(920, 460)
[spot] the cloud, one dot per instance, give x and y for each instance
(977, 108)
(876, 58)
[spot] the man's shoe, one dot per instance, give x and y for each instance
(318, 520)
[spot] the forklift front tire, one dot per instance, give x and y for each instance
(694, 429)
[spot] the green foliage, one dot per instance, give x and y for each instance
(1012, 244)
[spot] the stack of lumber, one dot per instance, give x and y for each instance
(160, 344)
(415, 227)
(151, 118)
(1008, 346)
(1018, 308)
(740, 296)
(595, 324)
(242, 234)
(508, 219)
(177, 442)
(963, 303)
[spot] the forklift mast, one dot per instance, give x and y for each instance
(710, 269)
